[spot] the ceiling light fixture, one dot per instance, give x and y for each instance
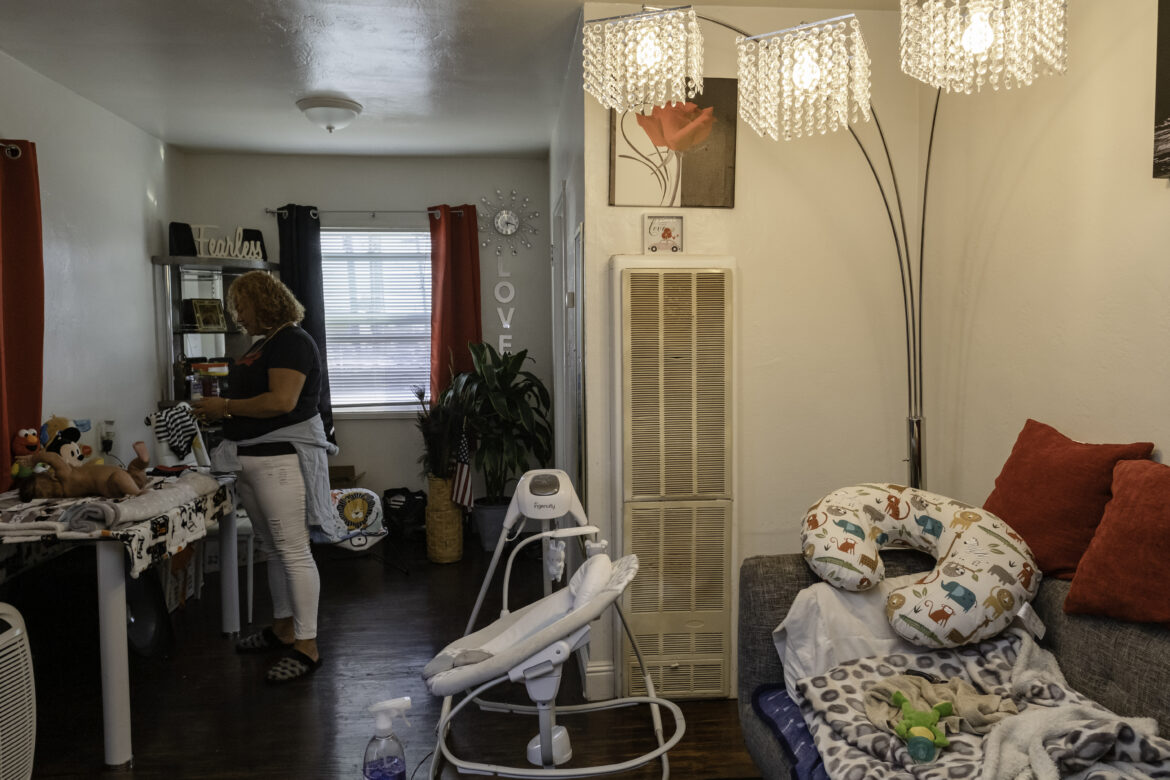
(962, 45)
(329, 113)
(805, 79)
(645, 59)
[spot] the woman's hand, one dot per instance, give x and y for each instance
(284, 384)
(211, 409)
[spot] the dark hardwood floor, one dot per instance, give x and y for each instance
(200, 710)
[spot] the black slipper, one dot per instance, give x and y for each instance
(293, 666)
(264, 641)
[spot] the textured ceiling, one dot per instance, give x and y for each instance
(435, 77)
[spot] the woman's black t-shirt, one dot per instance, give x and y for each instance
(290, 347)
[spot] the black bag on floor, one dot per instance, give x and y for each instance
(404, 510)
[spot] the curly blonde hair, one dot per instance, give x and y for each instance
(271, 301)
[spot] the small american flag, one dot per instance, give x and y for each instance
(461, 491)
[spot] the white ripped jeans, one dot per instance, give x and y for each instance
(272, 490)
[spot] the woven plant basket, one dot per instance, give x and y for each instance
(444, 523)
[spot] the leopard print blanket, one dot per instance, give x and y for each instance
(1058, 732)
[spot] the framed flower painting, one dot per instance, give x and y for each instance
(1162, 95)
(682, 155)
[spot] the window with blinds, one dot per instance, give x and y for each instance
(377, 316)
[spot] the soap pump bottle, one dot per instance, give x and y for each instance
(385, 757)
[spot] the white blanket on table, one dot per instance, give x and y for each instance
(92, 514)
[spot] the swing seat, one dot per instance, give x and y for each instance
(516, 636)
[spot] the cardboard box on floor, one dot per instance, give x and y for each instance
(344, 477)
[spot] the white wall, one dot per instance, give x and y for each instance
(103, 191)
(1047, 248)
(230, 190)
(567, 181)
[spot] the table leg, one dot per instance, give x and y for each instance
(229, 575)
(111, 585)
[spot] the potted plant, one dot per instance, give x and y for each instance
(506, 417)
(441, 425)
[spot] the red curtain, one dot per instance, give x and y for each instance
(455, 307)
(22, 295)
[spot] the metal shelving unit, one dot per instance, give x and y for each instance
(178, 278)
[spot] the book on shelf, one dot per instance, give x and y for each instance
(210, 368)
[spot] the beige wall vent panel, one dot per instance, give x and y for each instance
(679, 605)
(681, 679)
(674, 343)
(676, 383)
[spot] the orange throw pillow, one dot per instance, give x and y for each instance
(1120, 574)
(1052, 491)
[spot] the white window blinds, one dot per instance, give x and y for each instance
(377, 315)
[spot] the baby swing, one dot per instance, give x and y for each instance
(532, 644)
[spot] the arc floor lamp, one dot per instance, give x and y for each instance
(815, 78)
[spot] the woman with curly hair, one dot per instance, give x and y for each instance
(275, 441)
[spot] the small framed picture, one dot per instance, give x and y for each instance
(208, 314)
(662, 233)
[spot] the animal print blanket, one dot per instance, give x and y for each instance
(1058, 733)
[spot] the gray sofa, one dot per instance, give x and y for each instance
(1125, 666)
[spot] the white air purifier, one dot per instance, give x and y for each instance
(18, 701)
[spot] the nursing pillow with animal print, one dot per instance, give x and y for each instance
(985, 572)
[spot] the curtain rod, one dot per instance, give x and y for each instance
(371, 212)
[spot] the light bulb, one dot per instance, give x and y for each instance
(978, 36)
(649, 50)
(806, 72)
(650, 59)
(965, 45)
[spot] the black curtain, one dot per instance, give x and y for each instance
(300, 269)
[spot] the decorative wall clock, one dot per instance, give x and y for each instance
(506, 222)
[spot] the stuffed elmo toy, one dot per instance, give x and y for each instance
(25, 442)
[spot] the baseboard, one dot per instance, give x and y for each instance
(600, 681)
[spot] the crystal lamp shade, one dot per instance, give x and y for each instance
(642, 60)
(808, 79)
(329, 113)
(964, 45)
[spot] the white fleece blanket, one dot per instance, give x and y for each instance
(1075, 741)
